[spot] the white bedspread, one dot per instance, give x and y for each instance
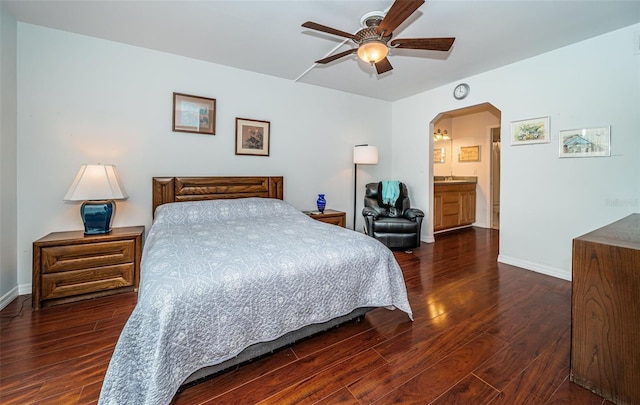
(219, 276)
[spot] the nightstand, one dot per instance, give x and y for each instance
(330, 217)
(71, 266)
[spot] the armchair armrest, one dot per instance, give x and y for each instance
(370, 212)
(413, 213)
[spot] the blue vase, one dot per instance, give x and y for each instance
(321, 203)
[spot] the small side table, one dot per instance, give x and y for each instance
(330, 217)
(71, 266)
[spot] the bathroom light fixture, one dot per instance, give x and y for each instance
(97, 185)
(441, 135)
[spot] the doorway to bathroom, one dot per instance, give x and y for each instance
(466, 149)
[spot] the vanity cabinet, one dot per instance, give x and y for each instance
(605, 314)
(454, 205)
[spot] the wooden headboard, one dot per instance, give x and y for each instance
(174, 189)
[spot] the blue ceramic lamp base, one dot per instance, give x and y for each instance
(97, 216)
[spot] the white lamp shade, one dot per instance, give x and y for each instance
(365, 155)
(96, 182)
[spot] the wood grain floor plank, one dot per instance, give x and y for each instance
(523, 348)
(327, 382)
(540, 379)
(71, 342)
(332, 336)
(342, 397)
(78, 348)
(302, 369)
(70, 367)
(435, 380)
(469, 391)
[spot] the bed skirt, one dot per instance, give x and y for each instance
(259, 350)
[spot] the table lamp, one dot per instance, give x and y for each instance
(97, 185)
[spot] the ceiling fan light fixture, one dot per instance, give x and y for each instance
(373, 51)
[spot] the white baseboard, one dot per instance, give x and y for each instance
(8, 297)
(24, 289)
(538, 268)
(428, 239)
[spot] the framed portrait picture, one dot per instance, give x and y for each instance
(585, 142)
(438, 155)
(194, 114)
(252, 137)
(469, 154)
(535, 130)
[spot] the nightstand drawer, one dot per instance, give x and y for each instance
(71, 283)
(84, 256)
(339, 220)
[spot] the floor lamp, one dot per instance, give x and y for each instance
(362, 155)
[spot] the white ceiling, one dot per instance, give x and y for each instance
(266, 36)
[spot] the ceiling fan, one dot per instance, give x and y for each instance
(374, 39)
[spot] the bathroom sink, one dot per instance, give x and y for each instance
(454, 179)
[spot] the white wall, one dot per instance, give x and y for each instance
(85, 100)
(8, 201)
(545, 201)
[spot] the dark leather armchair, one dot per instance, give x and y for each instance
(397, 226)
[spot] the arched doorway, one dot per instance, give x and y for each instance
(465, 148)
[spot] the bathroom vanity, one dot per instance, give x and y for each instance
(454, 202)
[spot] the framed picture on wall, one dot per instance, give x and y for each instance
(252, 137)
(438, 155)
(194, 114)
(469, 154)
(585, 142)
(534, 130)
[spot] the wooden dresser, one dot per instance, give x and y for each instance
(605, 311)
(71, 266)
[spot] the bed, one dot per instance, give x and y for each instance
(231, 272)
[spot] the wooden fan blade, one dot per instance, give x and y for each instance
(399, 11)
(336, 56)
(383, 66)
(428, 44)
(328, 30)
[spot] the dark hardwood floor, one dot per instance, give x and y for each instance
(484, 333)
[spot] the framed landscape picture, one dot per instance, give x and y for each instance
(438, 155)
(252, 137)
(585, 142)
(535, 130)
(194, 114)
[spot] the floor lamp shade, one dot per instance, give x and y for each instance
(362, 155)
(365, 155)
(97, 185)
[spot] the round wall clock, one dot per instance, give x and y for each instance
(461, 91)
